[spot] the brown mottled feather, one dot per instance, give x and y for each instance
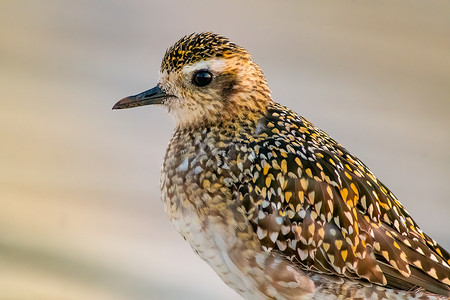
(273, 204)
(343, 219)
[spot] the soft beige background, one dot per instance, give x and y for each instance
(80, 212)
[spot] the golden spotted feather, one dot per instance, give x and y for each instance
(310, 199)
(274, 205)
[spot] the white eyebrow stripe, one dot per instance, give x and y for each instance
(215, 65)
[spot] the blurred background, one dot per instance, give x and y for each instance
(80, 209)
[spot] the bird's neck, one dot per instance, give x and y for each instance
(227, 125)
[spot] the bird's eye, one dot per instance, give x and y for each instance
(202, 78)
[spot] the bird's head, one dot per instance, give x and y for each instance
(206, 79)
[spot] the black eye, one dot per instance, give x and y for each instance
(202, 78)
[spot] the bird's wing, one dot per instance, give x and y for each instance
(311, 200)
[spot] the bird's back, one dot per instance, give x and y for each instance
(322, 208)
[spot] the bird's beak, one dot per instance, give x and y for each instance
(153, 96)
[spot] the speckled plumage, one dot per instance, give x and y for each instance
(272, 203)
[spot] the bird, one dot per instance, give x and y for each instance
(272, 203)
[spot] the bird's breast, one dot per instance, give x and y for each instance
(195, 185)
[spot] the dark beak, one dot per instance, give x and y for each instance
(153, 96)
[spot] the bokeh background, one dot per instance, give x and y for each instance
(80, 209)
